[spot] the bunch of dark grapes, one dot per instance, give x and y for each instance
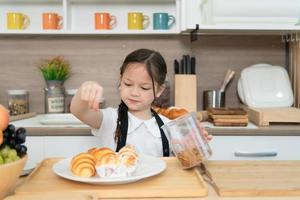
(15, 138)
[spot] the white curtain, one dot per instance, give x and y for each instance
(295, 67)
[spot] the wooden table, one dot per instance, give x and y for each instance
(212, 195)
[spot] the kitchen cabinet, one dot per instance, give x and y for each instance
(242, 17)
(78, 15)
(41, 147)
(35, 149)
(255, 148)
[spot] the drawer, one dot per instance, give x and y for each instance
(255, 148)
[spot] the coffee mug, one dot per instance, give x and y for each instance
(52, 21)
(137, 21)
(163, 21)
(104, 21)
(17, 21)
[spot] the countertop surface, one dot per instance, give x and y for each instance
(68, 125)
(212, 195)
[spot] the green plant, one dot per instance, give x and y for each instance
(55, 69)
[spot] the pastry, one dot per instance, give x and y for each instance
(83, 165)
(105, 162)
(120, 164)
(128, 158)
(171, 112)
(103, 155)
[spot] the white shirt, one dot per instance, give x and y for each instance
(144, 135)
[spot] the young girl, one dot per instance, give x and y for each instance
(142, 78)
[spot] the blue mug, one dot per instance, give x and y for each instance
(163, 21)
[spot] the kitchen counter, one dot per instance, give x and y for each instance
(35, 128)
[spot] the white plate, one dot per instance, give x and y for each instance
(264, 85)
(59, 119)
(148, 166)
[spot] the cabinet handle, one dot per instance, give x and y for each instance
(255, 154)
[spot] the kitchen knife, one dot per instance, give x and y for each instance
(188, 66)
(193, 65)
(184, 64)
(176, 66)
(181, 67)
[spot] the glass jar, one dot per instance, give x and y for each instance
(54, 97)
(18, 102)
(68, 98)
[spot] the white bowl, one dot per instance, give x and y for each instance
(9, 174)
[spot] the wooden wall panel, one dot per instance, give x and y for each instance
(99, 58)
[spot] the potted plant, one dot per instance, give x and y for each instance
(55, 72)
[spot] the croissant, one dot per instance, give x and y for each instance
(83, 165)
(104, 155)
(171, 112)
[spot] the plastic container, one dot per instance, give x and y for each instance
(187, 141)
(18, 102)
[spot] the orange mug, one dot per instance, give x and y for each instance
(52, 21)
(104, 21)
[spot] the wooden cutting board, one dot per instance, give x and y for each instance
(255, 178)
(267, 116)
(173, 182)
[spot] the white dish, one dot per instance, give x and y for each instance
(148, 166)
(264, 85)
(59, 119)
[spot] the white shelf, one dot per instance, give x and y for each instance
(248, 29)
(101, 32)
(78, 15)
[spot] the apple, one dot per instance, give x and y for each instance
(4, 118)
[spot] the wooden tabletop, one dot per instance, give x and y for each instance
(212, 195)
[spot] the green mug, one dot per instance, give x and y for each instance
(163, 21)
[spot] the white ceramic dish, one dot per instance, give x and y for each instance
(148, 166)
(59, 119)
(264, 85)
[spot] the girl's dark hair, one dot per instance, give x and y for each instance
(157, 70)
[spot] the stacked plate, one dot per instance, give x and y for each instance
(264, 85)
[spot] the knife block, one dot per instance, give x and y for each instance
(186, 91)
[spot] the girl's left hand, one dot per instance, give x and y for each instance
(204, 132)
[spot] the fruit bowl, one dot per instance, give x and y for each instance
(9, 174)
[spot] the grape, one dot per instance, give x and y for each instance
(21, 137)
(13, 135)
(11, 128)
(12, 154)
(6, 134)
(18, 147)
(23, 150)
(5, 141)
(21, 130)
(4, 151)
(12, 143)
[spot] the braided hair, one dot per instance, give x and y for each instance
(157, 70)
